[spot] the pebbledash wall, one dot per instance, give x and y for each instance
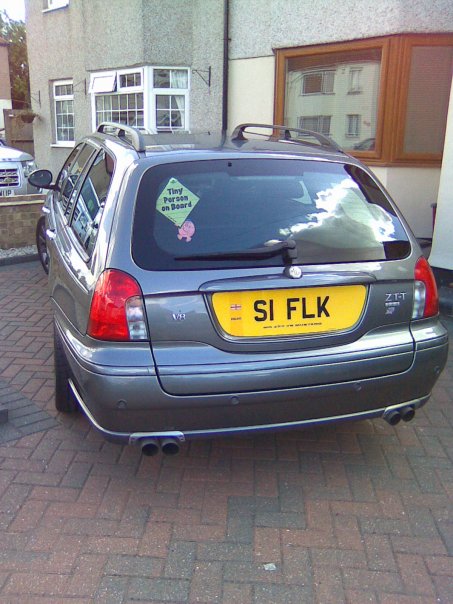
(259, 27)
(88, 36)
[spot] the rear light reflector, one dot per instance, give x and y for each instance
(426, 301)
(117, 310)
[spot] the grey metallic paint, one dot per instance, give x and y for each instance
(196, 380)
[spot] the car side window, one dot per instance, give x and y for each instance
(70, 173)
(91, 200)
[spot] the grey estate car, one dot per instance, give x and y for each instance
(212, 285)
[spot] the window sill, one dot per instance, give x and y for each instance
(54, 8)
(68, 145)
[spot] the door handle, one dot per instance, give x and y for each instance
(50, 234)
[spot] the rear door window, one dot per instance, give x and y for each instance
(187, 212)
(91, 200)
(67, 179)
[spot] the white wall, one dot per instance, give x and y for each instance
(251, 91)
(442, 249)
(413, 190)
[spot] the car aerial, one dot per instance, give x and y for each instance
(211, 285)
(15, 168)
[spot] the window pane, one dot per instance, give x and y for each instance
(87, 213)
(312, 83)
(334, 212)
(161, 78)
(353, 125)
(323, 90)
(179, 78)
(122, 108)
(428, 96)
(63, 89)
(162, 101)
(68, 177)
(129, 80)
(163, 118)
(64, 119)
(317, 123)
(355, 86)
(177, 102)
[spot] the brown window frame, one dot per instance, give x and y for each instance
(393, 91)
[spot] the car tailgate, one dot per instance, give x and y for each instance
(325, 328)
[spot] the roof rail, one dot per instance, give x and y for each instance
(135, 136)
(323, 141)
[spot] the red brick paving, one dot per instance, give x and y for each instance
(354, 513)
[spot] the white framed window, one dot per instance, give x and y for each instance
(353, 125)
(318, 82)
(103, 82)
(316, 123)
(53, 4)
(119, 97)
(63, 98)
(156, 98)
(171, 90)
(355, 84)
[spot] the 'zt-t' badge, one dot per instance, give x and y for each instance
(393, 301)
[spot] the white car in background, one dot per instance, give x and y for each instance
(15, 167)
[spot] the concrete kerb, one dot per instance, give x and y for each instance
(18, 259)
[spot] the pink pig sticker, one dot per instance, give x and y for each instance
(186, 231)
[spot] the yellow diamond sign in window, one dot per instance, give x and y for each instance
(176, 202)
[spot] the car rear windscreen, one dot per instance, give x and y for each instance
(218, 213)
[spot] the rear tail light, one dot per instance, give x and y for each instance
(117, 310)
(426, 301)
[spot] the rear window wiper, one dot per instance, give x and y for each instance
(286, 248)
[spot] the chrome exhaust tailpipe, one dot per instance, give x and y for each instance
(392, 417)
(170, 446)
(149, 446)
(407, 414)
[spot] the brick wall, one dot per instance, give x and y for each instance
(18, 218)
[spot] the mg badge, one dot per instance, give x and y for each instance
(294, 272)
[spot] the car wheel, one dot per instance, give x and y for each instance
(41, 244)
(64, 400)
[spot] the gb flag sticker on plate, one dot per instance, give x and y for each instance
(176, 202)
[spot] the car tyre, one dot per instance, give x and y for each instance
(41, 244)
(64, 399)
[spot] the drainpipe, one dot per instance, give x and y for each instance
(226, 17)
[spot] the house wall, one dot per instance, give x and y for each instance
(257, 27)
(94, 35)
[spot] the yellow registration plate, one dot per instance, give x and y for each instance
(284, 312)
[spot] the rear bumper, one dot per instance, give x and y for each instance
(128, 404)
(137, 437)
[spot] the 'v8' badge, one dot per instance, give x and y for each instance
(179, 316)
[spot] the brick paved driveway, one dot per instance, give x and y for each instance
(357, 513)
